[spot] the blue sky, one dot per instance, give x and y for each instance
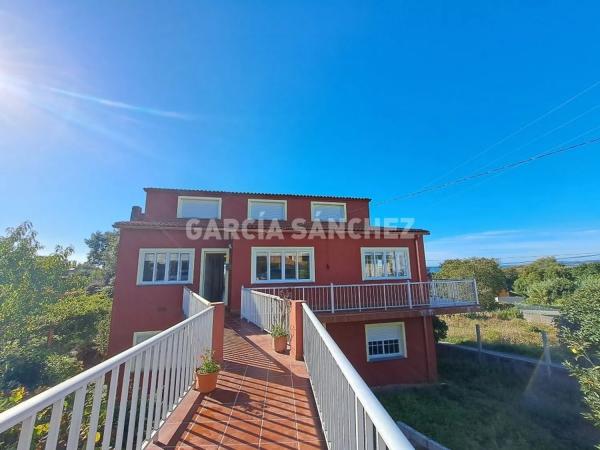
(99, 99)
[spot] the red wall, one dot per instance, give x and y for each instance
(419, 366)
(162, 205)
(149, 308)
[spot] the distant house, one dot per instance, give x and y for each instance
(367, 284)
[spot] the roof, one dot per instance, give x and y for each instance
(284, 225)
(263, 194)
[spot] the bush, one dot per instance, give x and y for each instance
(580, 331)
(509, 313)
(58, 368)
(490, 277)
(548, 292)
(440, 329)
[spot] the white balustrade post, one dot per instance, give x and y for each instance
(408, 287)
(331, 297)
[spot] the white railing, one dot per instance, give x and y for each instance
(360, 297)
(150, 380)
(351, 416)
(193, 303)
(265, 310)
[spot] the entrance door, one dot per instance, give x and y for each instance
(214, 284)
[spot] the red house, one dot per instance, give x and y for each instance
(367, 283)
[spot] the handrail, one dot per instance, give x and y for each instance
(171, 352)
(265, 310)
(366, 296)
(193, 303)
(383, 425)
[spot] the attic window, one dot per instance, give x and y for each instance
(328, 211)
(267, 209)
(199, 207)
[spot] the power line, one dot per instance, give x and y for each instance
(493, 171)
(519, 130)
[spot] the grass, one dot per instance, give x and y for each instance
(504, 331)
(492, 406)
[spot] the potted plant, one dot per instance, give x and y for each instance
(207, 373)
(280, 336)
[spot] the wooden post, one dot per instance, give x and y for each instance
(547, 358)
(479, 344)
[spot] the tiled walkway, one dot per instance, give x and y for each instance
(263, 400)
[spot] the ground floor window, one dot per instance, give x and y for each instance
(282, 264)
(167, 265)
(385, 341)
(141, 336)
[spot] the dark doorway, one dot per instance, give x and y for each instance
(214, 277)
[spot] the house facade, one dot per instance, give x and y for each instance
(368, 284)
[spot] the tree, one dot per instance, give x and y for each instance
(585, 270)
(540, 270)
(580, 330)
(486, 271)
(551, 291)
(102, 258)
(49, 328)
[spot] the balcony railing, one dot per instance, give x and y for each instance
(265, 310)
(150, 380)
(368, 296)
(351, 416)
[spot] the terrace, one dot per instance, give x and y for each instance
(143, 397)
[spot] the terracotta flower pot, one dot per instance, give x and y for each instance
(206, 382)
(280, 344)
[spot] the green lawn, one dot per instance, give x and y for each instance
(512, 335)
(490, 406)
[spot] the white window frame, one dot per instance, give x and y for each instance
(315, 219)
(140, 271)
(372, 358)
(282, 250)
(150, 334)
(250, 200)
(181, 198)
(404, 250)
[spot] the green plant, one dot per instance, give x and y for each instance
(208, 364)
(440, 329)
(508, 313)
(279, 330)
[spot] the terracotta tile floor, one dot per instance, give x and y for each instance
(263, 400)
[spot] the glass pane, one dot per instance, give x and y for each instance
(304, 266)
(267, 210)
(323, 211)
(199, 208)
(161, 261)
(261, 266)
(369, 265)
(390, 269)
(290, 266)
(401, 264)
(148, 267)
(378, 264)
(173, 266)
(276, 266)
(185, 267)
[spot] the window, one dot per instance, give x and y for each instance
(385, 341)
(267, 209)
(282, 264)
(165, 265)
(385, 263)
(199, 207)
(141, 336)
(328, 211)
